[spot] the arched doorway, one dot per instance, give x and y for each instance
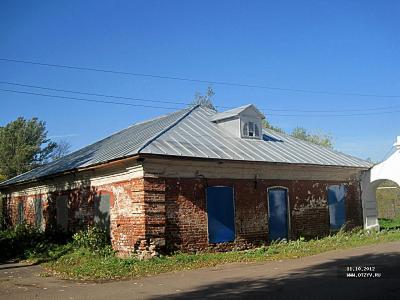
(388, 204)
(388, 170)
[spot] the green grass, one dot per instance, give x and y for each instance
(81, 263)
(387, 224)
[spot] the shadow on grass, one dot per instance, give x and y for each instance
(39, 257)
(322, 281)
(25, 242)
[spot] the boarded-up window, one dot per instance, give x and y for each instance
(102, 211)
(62, 212)
(21, 215)
(221, 216)
(336, 201)
(38, 212)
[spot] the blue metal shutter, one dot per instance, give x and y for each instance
(337, 210)
(221, 216)
(278, 214)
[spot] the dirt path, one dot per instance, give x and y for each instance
(314, 277)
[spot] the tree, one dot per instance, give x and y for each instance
(23, 146)
(268, 125)
(204, 100)
(63, 148)
(318, 139)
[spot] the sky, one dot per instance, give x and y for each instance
(330, 66)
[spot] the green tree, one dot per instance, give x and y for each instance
(23, 146)
(268, 125)
(2, 178)
(318, 139)
(205, 100)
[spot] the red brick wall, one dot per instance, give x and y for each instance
(137, 211)
(173, 211)
(29, 209)
(186, 218)
(127, 228)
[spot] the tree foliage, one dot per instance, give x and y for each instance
(268, 125)
(23, 146)
(302, 133)
(315, 138)
(205, 100)
(62, 149)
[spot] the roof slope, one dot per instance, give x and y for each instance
(196, 136)
(234, 112)
(191, 133)
(122, 144)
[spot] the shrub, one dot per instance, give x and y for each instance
(92, 238)
(14, 242)
(26, 241)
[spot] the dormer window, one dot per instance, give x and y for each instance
(250, 129)
(242, 122)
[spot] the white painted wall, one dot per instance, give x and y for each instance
(94, 178)
(231, 126)
(387, 170)
(234, 125)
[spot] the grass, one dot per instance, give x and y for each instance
(88, 255)
(388, 224)
(85, 264)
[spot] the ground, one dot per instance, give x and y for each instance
(311, 277)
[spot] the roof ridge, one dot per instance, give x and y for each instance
(168, 128)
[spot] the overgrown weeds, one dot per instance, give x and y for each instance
(388, 224)
(92, 238)
(88, 254)
(19, 241)
(26, 241)
(104, 264)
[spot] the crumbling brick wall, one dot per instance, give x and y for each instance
(137, 211)
(186, 216)
(12, 209)
(172, 212)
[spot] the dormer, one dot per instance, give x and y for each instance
(243, 122)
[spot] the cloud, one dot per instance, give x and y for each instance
(63, 135)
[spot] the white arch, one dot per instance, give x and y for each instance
(386, 170)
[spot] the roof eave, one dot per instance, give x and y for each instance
(72, 171)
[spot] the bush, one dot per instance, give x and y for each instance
(26, 241)
(2, 221)
(15, 242)
(92, 238)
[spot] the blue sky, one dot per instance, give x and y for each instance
(335, 46)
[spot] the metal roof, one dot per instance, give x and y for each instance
(234, 112)
(122, 144)
(191, 133)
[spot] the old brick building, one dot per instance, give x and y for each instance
(191, 180)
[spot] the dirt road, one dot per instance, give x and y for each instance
(314, 277)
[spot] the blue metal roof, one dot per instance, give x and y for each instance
(191, 133)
